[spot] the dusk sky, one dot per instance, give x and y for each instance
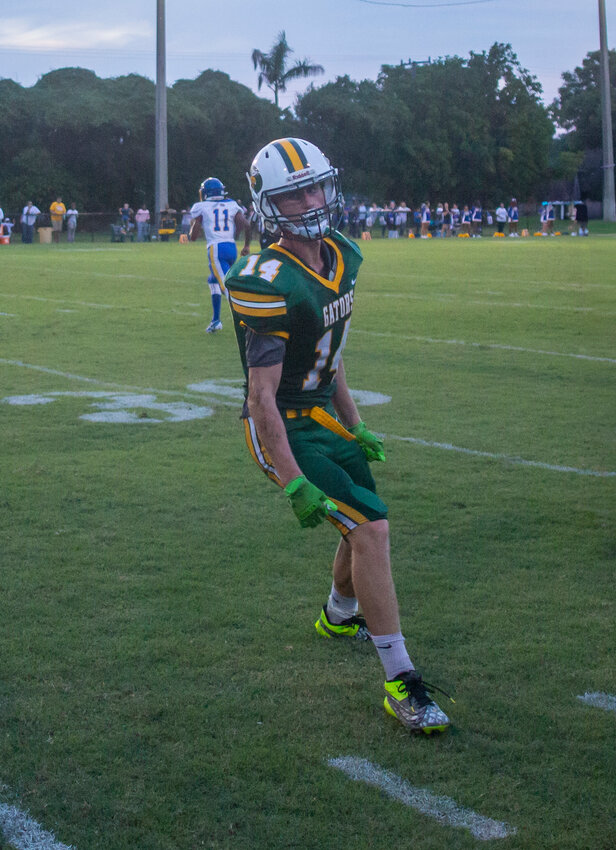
(353, 37)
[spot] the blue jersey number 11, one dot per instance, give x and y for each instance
(225, 215)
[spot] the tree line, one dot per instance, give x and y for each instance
(459, 128)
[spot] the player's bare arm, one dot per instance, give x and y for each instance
(242, 224)
(263, 382)
(195, 230)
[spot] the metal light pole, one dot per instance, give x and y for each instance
(609, 212)
(161, 177)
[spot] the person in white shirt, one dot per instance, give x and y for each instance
(28, 220)
(220, 219)
(501, 217)
(71, 222)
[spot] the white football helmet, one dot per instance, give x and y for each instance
(288, 164)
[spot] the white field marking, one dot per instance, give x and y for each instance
(123, 387)
(121, 408)
(12, 315)
(115, 275)
(443, 809)
(599, 700)
(557, 284)
(222, 387)
(24, 833)
(450, 297)
(365, 398)
(96, 305)
(496, 456)
(488, 345)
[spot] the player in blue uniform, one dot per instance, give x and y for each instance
(476, 219)
(292, 307)
(513, 216)
(220, 219)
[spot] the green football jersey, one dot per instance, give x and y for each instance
(275, 293)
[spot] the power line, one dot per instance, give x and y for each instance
(427, 5)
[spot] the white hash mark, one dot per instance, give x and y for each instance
(443, 809)
(599, 700)
(24, 833)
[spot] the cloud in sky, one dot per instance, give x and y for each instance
(345, 36)
(20, 34)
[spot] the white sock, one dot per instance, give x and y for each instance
(340, 607)
(392, 653)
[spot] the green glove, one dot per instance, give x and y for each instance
(310, 505)
(371, 445)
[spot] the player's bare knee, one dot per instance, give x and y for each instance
(370, 535)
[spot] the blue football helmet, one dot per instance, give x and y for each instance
(212, 187)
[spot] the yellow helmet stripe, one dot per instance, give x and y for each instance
(292, 154)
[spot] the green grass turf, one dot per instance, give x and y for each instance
(162, 684)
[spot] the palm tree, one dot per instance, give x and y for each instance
(273, 66)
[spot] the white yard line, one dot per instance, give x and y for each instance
(443, 809)
(416, 440)
(495, 345)
(123, 387)
(599, 700)
(497, 456)
(447, 298)
(95, 304)
(24, 833)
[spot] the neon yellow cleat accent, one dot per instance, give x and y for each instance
(354, 627)
(408, 700)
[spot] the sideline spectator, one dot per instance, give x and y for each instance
(551, 214)
(447, 218)
(438, 219)
(371, 217)
(455, 219)
(466, 221)
(501, 217)
(57, 212)
(127, 215)
(390, 215)
(28, 220)
(513, 217)
(581, 217)
(383, 220)
(476, 219)
(571, 217)
(402, 214)
(425, 219)
(71, 222)
(543, 218)
(142, 219)
(6, 226)
(362, 214)
(417, 222)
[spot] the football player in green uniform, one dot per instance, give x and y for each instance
(292, 307)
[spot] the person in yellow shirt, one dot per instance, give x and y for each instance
(57, 211)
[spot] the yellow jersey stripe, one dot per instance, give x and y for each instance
(260, 311)
(255, 296)
(258, 305)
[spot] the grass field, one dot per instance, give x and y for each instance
(162, 684)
